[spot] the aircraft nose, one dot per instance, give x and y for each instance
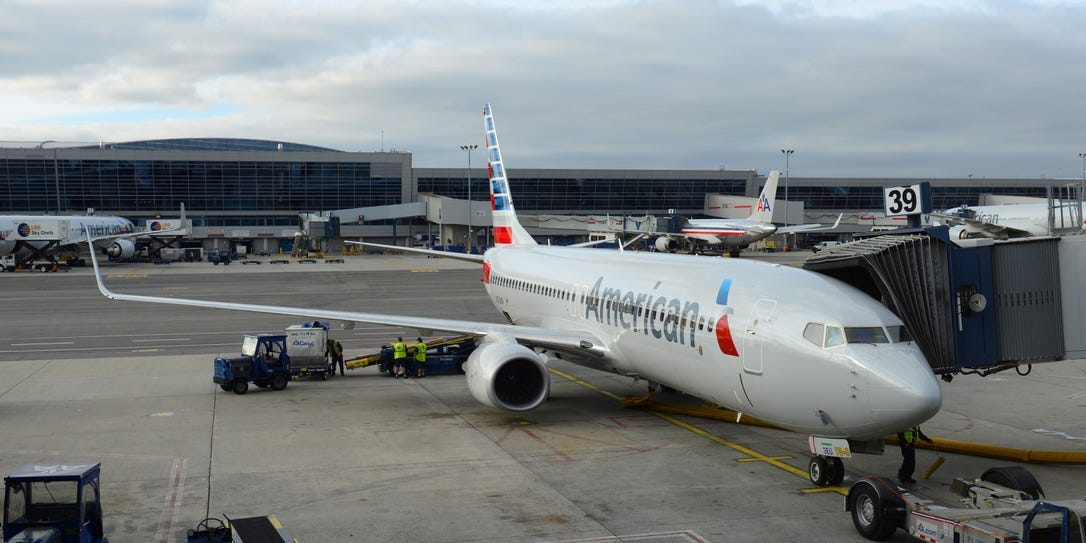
(904, 390)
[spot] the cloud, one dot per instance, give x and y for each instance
(920, 88)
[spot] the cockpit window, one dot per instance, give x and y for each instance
(834, 336)
(813, 333)
(866, 334)
(899, 334)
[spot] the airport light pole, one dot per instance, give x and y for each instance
(469, 149)
(787, 155)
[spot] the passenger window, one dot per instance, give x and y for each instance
(813, 333)
(834, 336)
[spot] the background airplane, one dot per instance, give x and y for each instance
(1007, 220)
(734, 234)
(34, 236)
(796, 348)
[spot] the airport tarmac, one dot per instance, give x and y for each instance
(369, 458)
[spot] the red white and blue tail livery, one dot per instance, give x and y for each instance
(507, 229)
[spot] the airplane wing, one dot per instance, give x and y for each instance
(977, 228)
(813, 227)
(572, 341)
(478, 259)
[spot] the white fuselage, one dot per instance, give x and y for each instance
(1031, 218)
(59, 230)
(728, 232)
(727, 331)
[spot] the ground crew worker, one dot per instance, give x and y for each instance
(399, 356)
(337, 356)
(420, 358)
(907, 441)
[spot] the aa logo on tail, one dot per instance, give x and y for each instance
(763, 203)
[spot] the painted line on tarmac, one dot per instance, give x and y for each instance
(161, 339)
(173, 501)
(686, 536)
(43, 343)
(126, 348)
(751, 453)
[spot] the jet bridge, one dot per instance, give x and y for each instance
(973, 306)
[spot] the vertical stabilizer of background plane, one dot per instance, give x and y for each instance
(507, 229)
(763, 209)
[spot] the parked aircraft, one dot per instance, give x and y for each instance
(734, 234)
(1007, 220)
(796, 348)
(34, 236)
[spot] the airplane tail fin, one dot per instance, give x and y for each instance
(763, 211)
(507, 229)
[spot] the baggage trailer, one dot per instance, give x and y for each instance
(265, 529)
(1005, 505)
(54, 502)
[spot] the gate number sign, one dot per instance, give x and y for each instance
(907, 200)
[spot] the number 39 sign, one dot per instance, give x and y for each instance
(907, 200)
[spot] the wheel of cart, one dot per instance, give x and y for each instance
(876, 511)
(279, 380)
(1014, 478)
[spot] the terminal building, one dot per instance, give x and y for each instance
(240, 191)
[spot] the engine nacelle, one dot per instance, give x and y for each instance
(121, 249)
(666, 245)
(508, 376)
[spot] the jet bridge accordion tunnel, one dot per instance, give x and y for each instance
(974, 306)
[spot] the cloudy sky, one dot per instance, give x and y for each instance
(926, 88)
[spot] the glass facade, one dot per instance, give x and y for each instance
(135, 186)
(556, 194)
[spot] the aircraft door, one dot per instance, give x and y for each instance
(753, 341)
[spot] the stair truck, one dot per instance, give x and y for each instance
(270, 360)
(1005, 505)
(55, 502)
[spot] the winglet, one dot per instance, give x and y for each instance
(97, 272)
(507, 229)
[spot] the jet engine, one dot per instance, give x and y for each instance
(508, 376)
(121, 249)
(666, 245)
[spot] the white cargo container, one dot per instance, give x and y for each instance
(307, 347)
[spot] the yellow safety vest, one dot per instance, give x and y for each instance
(912, 434)
(420, 352)
(399, 350)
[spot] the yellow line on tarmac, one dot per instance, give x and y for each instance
(751, 453)
(763, 459)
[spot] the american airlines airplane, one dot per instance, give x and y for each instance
(735, 234)
(1005, 221)
(801, 350)
(39, 234)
